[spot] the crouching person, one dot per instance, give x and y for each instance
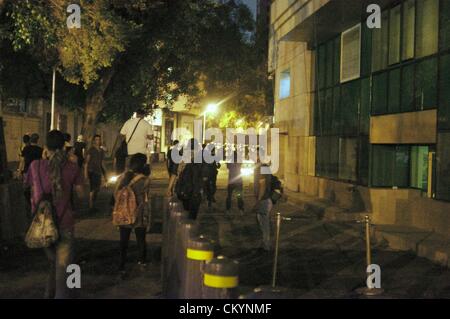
(130, 208)
(53, 180)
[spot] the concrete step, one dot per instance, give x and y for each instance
(430, 245)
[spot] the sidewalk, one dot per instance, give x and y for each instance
(430, 245)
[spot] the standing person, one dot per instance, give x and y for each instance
(137, 177)
(31, 152)
(235, 183)
(210, 171)
(136, 131)
(188, 183)
(25, 143)
(264, 206)
(94, 170)
(80, 150)
(172, 167)
(119, 162)
(57, 176)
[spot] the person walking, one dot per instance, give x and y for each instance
(264, 207)
(137, 177)
(136, 133)
(31, 152)
(209, 172)
(188, 182)
(235, 184)
(80, 150)
(57, 176)
(25, 143)
(94, 170)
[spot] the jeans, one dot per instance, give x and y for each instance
(125, 233)
(239, 189)
(59, 256)
(264, 207)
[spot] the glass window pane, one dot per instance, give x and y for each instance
(322, 66)
(285, 84)
(348, 148)
(407, 91)
(426, 84)
(445, 25)
(401, 172)
(327, 156)
(419, 167)
(328, 114)
(366, 50)
(350, 94)
(380, 39)
(351, 54)
(394, 91)
(409, 16)
(444, 91)
(443, 167)
(394, 34)
(379, 94)
(364, 120)
(330, 58)
(427, 27)
(383, 165)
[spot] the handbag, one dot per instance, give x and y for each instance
(123, 148)
(43, 231)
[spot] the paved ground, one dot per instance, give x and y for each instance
(317, 259)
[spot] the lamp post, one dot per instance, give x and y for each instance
(211, 108)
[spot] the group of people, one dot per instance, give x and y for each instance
(60, 169)
(191, 182)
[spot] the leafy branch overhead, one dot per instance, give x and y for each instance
(129, 54)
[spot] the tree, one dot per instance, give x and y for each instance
(130, 54)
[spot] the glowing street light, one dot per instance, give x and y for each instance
(211, 108)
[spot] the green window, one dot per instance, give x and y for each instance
(366, 50)
(380, 39)
(363, 160)
(336, 119)
(390, 166)
(379, 93)
(350, 98)
(329, 68)
(394, 91)
(321, 60)
(337, 61)
(408, 29)
(394, 34)
(348, 150)
(427, 27)
(419, 167)
(445, 25)
(426, 84)
(407, 92)
(327, 156)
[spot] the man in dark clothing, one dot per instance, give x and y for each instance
(94, 169)
(172, 167)
(79, 150)
(31, 152)
(189, 183)
(209, 172)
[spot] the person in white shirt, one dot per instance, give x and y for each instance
(137, 141)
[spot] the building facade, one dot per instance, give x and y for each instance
(363, 112)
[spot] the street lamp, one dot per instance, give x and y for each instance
(211, 109)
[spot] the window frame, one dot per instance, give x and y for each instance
(344, 80)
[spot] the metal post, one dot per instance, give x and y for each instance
(52, 118)
(368, 291)
(275, 262)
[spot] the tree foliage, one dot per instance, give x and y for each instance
(129, 54)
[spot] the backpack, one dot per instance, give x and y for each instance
(184, 186)
(276, 189)
(43, 231)
(125, 206)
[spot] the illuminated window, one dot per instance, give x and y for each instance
(351, 54)
(285, 84)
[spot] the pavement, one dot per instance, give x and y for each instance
(319, 257)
